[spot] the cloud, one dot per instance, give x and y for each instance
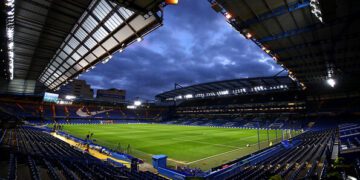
(195, 45)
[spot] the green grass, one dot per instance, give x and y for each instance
(194, 146)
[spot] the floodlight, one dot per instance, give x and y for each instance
(248, 35)
(70, 97)
(228, 15)
(173, 2)
(331, 82)
(106, 60)
(188, 96)
(139, 39)
(137, 103)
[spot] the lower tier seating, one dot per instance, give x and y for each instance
(32, 154)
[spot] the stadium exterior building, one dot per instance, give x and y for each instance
(77, 88)
(111, 95)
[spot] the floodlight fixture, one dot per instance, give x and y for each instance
(137, 103)
(228, 16)
(248, 35)
(331, 82)
(70, 97)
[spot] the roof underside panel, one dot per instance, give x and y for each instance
(235, 86)
(101, 30)
(40, 27)
(299, 40)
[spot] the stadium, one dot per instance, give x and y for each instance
(300, 123)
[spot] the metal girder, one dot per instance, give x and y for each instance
(292, 32)
(309, 28)
(276, 12)
(133, 6)
(318, 42)
(319, 54)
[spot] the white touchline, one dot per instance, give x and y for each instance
(219, 154)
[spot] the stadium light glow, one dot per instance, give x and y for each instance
(139, 39)
(315, 9)
(131, 107)
(331, 82)
(10, 23)
(188, 96)
(137, 103)
(70, 97)
(121, 50)
(228, 16)
(220, 93)
(172, 2)
(248, 35)
(106, 59)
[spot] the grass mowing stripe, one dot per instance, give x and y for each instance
(181, 143)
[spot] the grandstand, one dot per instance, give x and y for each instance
(304, 125)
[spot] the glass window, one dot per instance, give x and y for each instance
(101, 10)
(89, 24)
(125, 13)
(100, 34)
(90, 43)
(82, 50)
(58, 60)
(90, 57)
(81, 34)
(70, 61)
(66, 65)
(72, 71)
(73, 43)
(67, 49)
(55, 64)
(62, 69)
(62, 55)
(113, 22)
(76, 56)
(68, 74)
(84, 63)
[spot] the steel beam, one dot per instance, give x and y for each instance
(277, 12)
(292, 32)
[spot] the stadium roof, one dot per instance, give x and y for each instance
(313, 39)
(235, 86)
(54, 41)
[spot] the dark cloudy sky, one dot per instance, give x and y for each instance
(195, 45)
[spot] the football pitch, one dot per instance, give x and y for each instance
(194, 146)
